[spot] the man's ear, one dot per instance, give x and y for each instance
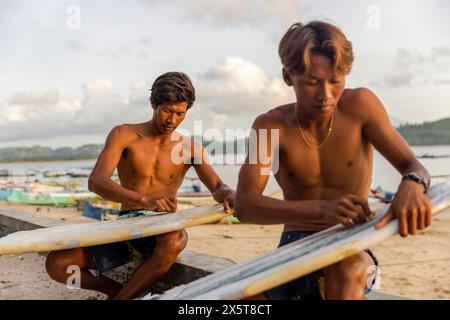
(286, 77)
(153, 104)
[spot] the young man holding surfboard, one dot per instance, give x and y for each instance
(151, 159)
(324, 164)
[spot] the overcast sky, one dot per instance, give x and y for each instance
(64, 83)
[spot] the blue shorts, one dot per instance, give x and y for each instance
(309, 287)
(112, 255)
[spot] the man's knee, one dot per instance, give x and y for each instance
(58, 262)
(347, 279)
(172, 242)
(56, 266)
(352, 269)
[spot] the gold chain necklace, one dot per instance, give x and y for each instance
(330, 128)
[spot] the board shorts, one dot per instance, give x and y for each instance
(311, 286)
(112, 255)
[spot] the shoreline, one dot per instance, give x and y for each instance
(48, 160)
(94, 158)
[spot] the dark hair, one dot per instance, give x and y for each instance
(316, 37)
(172, 87)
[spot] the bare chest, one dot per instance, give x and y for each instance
(343, 164)
(150, 164)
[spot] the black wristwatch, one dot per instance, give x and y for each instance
(417, 178)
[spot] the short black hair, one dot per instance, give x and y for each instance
(173, 87)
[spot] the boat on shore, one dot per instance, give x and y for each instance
(4, 173)
(382, 195)
(47, 198)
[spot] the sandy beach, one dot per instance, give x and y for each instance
(414, 267)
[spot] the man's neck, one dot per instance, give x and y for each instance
(157, 135)
(311, 122)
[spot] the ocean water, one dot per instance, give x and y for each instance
(383, 174)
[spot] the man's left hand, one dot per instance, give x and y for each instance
(228, 201)
(412, 208)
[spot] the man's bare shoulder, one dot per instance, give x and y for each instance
(125, 133)
(274, 118)
(359, 103)
(359, 93)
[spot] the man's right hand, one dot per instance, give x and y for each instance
(348, 210)
(161, 204)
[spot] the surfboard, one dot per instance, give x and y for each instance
(296, 259)
(203, 200)
(95, 233)
(90, 234)
(196, 201)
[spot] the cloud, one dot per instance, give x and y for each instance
(28, 115)
(140, 91)
(117, 53)
(239, 87)
(443, 81)
(98, 87)
(42, 114)
(440, 52)
(398, 79)
(239, 84)
(74, 45)
(144, 41)
(418, 68)
(139, 50)
(247, 12)
(228, 92)
(50, 96)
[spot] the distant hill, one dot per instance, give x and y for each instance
(91, 151)
(38, 153)
(427, 133)
(396, 122)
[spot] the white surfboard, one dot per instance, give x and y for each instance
(89, 234)
(296, 259)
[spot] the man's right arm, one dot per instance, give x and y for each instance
(251, 205)
(100, 180)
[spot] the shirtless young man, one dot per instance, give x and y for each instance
(326, 141)
(147, 157)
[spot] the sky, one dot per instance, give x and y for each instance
(72, 70)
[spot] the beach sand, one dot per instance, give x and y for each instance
(414, 267)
